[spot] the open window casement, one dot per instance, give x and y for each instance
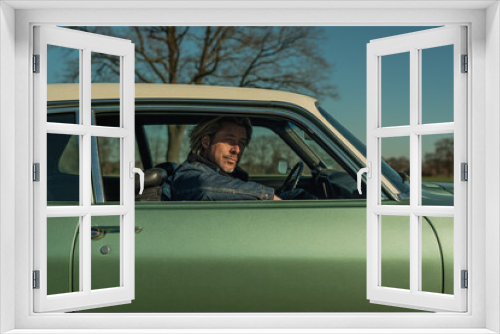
(56, 215)
(386, 123)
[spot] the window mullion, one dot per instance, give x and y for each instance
(86, 179)
(415, 244)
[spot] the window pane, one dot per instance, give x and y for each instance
(62, 246)
(63, 77)
(396, 153)
(395, 251)
(106, 168)
(437, 254)
(329, 162)
(63, 169)
(395, 89)
(437, 84)
(437, 170)
(105, 74)
(168, 143)
(105, 259)
(265, 150)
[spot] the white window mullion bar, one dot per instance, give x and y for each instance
(379, 251)
(423, 129)
(66, 211)
(392, 210)
(434, 129)
(78, 211)
(406, 210)
(85, 88)
(85, 251)
(74, 129)
(103, 131)
(415, 98)
(67, 129)
(434, 211)
(393, 131)
(420, 247)
(108, 210)
(414, 254)
(85, 156)
(123, 249)
(86, 173)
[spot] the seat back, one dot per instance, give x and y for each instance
(169, 167)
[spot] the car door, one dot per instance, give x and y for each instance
(247, 256)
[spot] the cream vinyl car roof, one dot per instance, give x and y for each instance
(104, 91)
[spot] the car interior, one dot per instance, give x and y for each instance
(276, 142)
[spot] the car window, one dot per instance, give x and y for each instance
(167, 142)
(262, 155)
(273, 142)
(326, 159)
(171, 143)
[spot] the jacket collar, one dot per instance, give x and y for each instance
(238, 172)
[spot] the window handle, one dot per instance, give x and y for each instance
(368, 172)
(134, 170)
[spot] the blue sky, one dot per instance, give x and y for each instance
(346, 48)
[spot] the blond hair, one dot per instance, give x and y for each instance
(212, 126)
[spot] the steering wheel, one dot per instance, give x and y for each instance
(292, 179)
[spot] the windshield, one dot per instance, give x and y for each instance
(387, 171)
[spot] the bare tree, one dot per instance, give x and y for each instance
(440, 162)
(286, 58)
(399, 164)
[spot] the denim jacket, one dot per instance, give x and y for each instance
(198, 179)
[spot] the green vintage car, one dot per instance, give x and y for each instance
(242, 256)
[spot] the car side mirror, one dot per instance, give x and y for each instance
(282, 166)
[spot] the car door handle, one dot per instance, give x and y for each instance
(98, 232)
(368, 172)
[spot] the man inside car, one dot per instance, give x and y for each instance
(211, 171)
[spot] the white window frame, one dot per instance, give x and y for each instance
(85, 44)
(484, 211)
(414, 44)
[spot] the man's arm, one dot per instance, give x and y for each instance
(194, 182)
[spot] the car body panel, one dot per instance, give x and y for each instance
(255, 257)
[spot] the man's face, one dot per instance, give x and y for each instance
(227, 146)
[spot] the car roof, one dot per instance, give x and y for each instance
(107, 91)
